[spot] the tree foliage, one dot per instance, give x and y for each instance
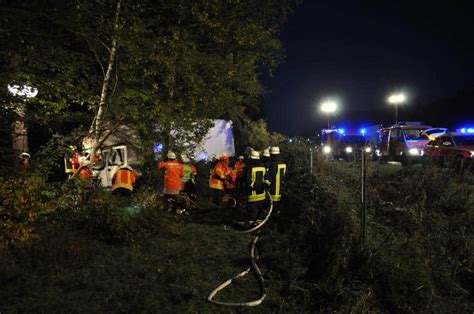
(177, 64)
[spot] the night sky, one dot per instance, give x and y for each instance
(359, 52)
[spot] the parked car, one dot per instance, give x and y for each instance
(455, 150)
(402, 142)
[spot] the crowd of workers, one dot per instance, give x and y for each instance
(245, 181)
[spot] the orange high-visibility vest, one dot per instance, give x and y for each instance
(239, 167)
(85, 174)
(218, 174)
(123, 178)
(173, 173)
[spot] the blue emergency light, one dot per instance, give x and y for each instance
(363, 131)
(341, 131)
(467, 130)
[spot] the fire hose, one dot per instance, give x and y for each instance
(253, 261)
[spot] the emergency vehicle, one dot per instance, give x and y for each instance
(403, 142)
(343, 144)
(452, 149)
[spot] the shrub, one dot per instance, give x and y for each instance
(22, 200)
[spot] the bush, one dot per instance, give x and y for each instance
(113, 218)
(22, 200)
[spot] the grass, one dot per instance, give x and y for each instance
(419, 256)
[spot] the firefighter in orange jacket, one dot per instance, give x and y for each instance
(218, 176)
(85, 173)
(174, 171)
(123, 181)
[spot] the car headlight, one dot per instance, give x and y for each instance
(348, 149)
(472, 153)
(326, 149)
(368, 149)
(413, 151)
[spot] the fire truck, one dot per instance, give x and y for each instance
(403, 142)
(343, 144)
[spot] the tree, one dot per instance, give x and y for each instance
(172, 64)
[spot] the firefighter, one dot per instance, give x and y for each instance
(256, 181)
(24, 161)
(188, 181)
(218, 176)
(277, 173)
(239, 171)
(174, 171)
(71, 161)
(239, 165)
(123, 181)
(85, 173)
(266, 158)
(230, 180)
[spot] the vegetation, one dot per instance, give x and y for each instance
(171, 65)
(104, 254)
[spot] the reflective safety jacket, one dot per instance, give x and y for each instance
(85, 173)
(189, 174)
(277, 173)
(256, 179)
(174, 171)
(71, 162)
(239, 167)
(124, 178)
(218, 175)
(230, 177)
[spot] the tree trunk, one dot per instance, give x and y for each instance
(96, 127)
(95, 131)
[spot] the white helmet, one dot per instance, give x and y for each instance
(24, 155)
(240, 157)
(275, 150)
(184, 158)
(266, 152)
(171, 155)
(254, 154)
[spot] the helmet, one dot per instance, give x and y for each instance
(24, 155)
(240, 157)
(224, 157)
(266, 152)
(184, 158)
(254, 154)
(171, 155)
(275, 150)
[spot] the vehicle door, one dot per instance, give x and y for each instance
(114, 157)
(382, 142)
(446, 150)
(394, 143)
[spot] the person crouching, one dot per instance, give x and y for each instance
(123, 181)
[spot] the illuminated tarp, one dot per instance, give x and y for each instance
(219, 139)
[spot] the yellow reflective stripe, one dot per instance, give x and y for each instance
(120, 184)
(277, 195)
(256, 197)
(254, 174)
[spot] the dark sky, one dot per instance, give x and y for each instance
(359, 52)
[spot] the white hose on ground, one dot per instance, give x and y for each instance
(253, 260)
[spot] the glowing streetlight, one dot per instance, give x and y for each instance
(328, 107)
(396, 99)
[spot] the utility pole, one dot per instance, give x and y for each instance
(363, 222)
